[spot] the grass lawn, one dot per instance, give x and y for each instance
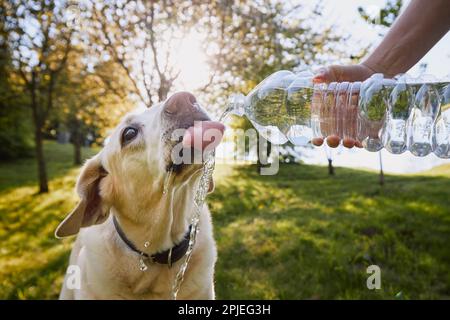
(297, 235)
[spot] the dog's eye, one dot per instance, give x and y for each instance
(129, 134)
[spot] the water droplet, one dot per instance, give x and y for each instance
(142, 266)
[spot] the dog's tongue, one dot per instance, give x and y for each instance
(204, 134)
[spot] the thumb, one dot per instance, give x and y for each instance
(323, 75)
(337, 73)
(332, 74)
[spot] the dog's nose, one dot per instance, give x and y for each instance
(179, 102)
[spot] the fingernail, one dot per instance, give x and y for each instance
(320, 75)
(321, 72)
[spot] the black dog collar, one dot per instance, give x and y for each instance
(169, 256)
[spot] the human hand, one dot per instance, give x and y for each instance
(337, 73)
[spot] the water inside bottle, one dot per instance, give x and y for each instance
(284, 109)
(299, 101)
(371, 116)
(265, 111)
(394, 134)
(399, 114)
(426, 107)
(441, 136)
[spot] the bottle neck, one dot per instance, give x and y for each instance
(236, 105)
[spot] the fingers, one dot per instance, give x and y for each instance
(349, 142)
(324, 75)
(333, 141)
(343, 128)
(337, 73)
(333, 73)
(337, 112)
(317, 141)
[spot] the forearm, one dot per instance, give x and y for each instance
(417, 29)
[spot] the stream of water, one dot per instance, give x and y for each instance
(199, 200)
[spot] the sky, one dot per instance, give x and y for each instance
(344, 15)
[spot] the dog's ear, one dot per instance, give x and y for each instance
(91, 209)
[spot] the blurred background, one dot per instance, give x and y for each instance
(69, 70)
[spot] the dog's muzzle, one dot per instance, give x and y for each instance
(181, 111)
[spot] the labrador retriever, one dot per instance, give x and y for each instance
(132, 233)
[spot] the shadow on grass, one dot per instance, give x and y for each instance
(297, 235)
(40, 282)
(32, 260)
(302, 234)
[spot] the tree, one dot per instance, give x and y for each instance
(254, 39)
(90, 101)
(329, 154)
(15, 135)
(39, 38)
(245, 41)
(140, 38)
(384, 18)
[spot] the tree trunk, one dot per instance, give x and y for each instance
(77, 142)
(263, 151)
(330, 167)
(258, 160)
(381, 180)
(77, 151)
(38, 141)
(163, 90)
(42, 168)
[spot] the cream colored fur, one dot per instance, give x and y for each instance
(128, 182)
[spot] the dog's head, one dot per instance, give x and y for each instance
(129, 173)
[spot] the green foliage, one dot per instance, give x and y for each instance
(304, 235)
(16, 127)
(386, 16)
(381, 20)
(297, 235)
(140, 37)
(375, 105)
(401, 107)
(90, 101)
(38, 36)
(16, 134)
(32, 260)
(256, 39)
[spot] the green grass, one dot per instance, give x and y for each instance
(32, 260)
(297, 235)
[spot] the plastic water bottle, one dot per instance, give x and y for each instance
(398, 114)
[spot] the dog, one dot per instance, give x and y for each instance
(132, 230)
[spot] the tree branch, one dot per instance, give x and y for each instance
(119, 59)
